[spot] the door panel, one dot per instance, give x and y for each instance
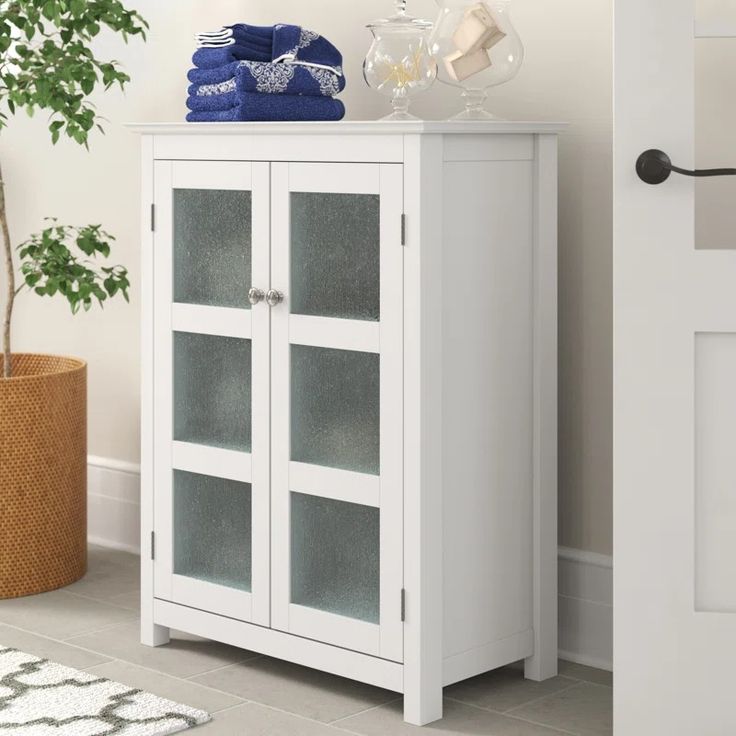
(206, 509)
(209, 258)
(335, 408)
(211, 419)
(337, 276)
(340, 574)
(336, 401)
(674, 326)
(212, 390)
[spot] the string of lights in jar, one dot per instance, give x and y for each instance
(399, 63)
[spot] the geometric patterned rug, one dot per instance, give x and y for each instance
(41, 698)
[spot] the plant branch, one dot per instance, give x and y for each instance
(10, 280)
(47, 62)
(49, 265)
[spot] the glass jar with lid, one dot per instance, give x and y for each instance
(399, 63)
(476, 47)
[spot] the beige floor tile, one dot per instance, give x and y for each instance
(60, 615)
(459, 719)
(110, 573)
(258, 720)
(56, 651)
(214, 677)
(300, 690)
(173, 688)
(107, 558)
(587, 674)
(585, 709)
(503, 689)
(131, 600)
(186, 655)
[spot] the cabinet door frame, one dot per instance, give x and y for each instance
(385, 338)
(252, 324)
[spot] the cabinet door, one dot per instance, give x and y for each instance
(211, 386)
(337, 420)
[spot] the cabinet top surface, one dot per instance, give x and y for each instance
(352, 127)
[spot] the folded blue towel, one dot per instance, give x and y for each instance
(256, 106)
(258, 76)
(303, 45)
(211, 58)
(228, 71)
(239, 30)
(288, 42)
(243, 37)
(214, 76)
(262, 44)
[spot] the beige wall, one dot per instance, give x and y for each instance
(567, 76)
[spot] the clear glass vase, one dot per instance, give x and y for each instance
(399, 63)
(476, 47)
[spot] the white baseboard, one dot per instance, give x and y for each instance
(114, 504)
(585, 581)
(585, 578)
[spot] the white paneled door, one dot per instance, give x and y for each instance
(674, 397)
(337, 264)
(211, 366)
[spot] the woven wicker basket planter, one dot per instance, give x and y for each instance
(43, 474)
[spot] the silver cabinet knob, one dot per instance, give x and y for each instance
(255, 295)
(274, 297)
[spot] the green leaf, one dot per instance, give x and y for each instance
(50, 265)
(55, 67)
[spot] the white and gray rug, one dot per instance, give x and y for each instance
(41, 698)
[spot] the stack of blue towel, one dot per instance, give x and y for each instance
(281, 72)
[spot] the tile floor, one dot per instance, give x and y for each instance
(93, 625)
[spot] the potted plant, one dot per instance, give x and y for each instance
(47, 64)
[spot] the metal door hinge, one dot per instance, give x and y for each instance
(403, 604)
(153, 217)
(153, 545)
(403, 229)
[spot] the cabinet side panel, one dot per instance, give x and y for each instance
(487, 327)
(151, 633)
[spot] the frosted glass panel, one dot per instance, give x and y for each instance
(335, 398)
(212, 247)
(335, 556)
(212, 529)
(212, 390)
(335, 255)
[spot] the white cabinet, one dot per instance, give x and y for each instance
(349, 396)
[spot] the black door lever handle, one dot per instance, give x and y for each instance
(654, 167)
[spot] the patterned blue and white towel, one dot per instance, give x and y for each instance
(214, 57)
(256, 106)
(301, 45)
(261, 70)
(275, 79)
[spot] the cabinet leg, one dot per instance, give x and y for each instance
(153, 635)
(422, 706)
(540, 666)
